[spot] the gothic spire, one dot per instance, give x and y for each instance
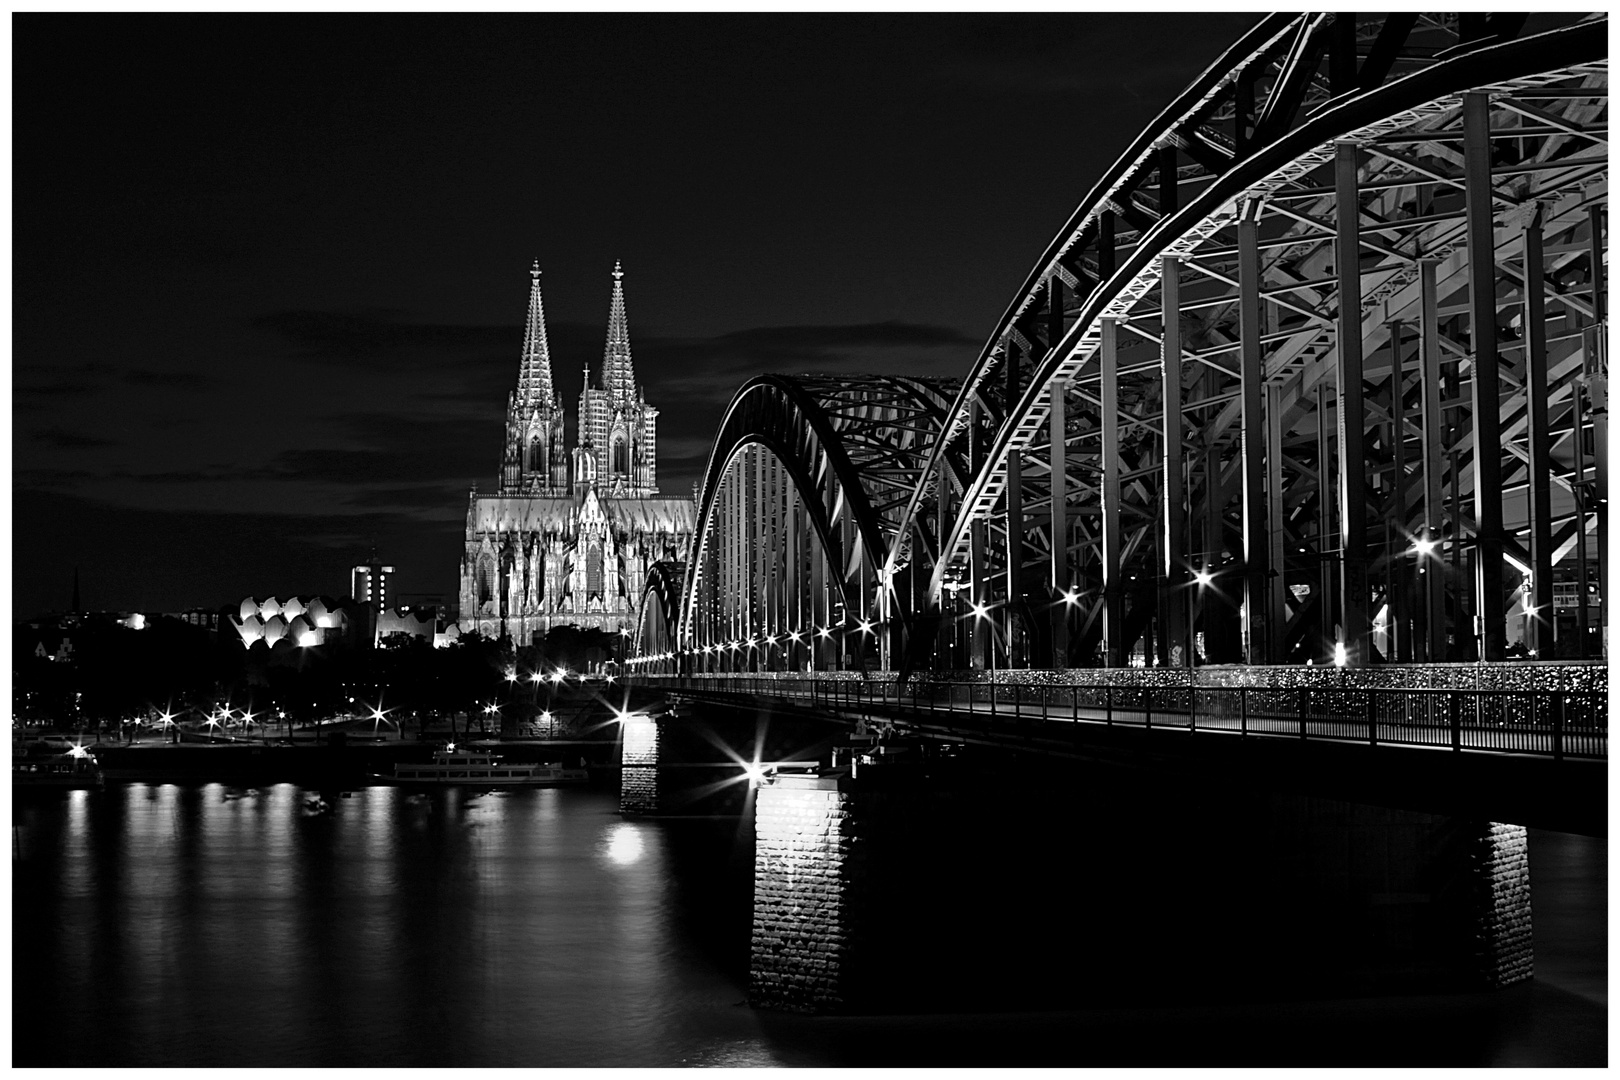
(534, 378)
(618, 373)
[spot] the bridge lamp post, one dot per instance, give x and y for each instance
(1203, 579)
(1425, 546)
(981, 612)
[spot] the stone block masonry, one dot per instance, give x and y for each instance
(1049, 889)
(807, 860)
(1503, 947)
(638, 775)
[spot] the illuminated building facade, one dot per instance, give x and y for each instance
(368, 583)
(568, 538)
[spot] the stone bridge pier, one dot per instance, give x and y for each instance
(927, 880)
(905, 874)
(680, 758)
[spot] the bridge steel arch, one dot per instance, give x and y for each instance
(654, 641)
(797, 516)
(1368, 251)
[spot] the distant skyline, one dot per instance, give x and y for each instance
(270, 271)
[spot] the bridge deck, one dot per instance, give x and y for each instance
(1530, 757)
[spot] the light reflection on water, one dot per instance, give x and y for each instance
(169, 926)
(212, 925)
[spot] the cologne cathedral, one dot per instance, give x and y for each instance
(567, 538)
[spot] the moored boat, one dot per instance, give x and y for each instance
(481, 769)
(44, 765)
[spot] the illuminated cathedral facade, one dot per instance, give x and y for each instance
(568, 536)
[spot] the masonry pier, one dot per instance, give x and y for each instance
(954, 880)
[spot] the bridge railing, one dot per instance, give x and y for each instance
(1548, 723)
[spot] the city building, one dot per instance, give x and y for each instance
(567, 538)
(369, 581)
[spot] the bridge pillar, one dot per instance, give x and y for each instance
(837, 860)
(924, 886)
(638, 771)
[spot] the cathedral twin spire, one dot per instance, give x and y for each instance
(534, 378)
(618, 373)
(617, 430)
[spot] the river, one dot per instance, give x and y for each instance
(205, 926)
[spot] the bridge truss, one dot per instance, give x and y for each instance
(1316, 370)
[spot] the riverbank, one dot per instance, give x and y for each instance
(334, 764)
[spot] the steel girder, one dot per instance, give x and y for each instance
(1291, 240)
(799, 509)
(660, 614)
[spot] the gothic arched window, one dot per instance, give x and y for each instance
(593, 571)
(486, 579)
(537, 456)
(621, 455)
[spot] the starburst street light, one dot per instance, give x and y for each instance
(1423, 546)
(866, 626)
(980, 611)
(1203, 577)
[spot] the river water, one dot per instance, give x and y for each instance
(204, 926)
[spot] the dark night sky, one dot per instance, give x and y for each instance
(269, 272)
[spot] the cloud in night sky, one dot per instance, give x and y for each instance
(285, 325)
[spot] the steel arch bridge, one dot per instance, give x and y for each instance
(1317, 369)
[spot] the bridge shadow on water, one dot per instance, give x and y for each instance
(1049, 918)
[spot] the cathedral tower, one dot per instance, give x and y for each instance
(536, 459)
(616, 425)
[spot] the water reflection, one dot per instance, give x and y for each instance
(210, 925)
(622, 844)
(186, 926)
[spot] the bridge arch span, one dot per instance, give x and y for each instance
(1292, 240)
(796, 517)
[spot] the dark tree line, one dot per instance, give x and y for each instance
(114, 674)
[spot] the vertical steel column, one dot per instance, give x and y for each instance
(1251, 371)
(818, 600)
(1113, 586)
(1583, 579)
(1173, 549)
(759, 529)
(1598, 391)
(1487, 399)
(1430, 563)
(1014, 497)
(982, 636)
(1327, 564)
(1276, 526)
(1059, 467)
(1015, 543)
(1395, 563)
(944, 599)
(1538, 627)
(976, 564)
(1354, 621)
